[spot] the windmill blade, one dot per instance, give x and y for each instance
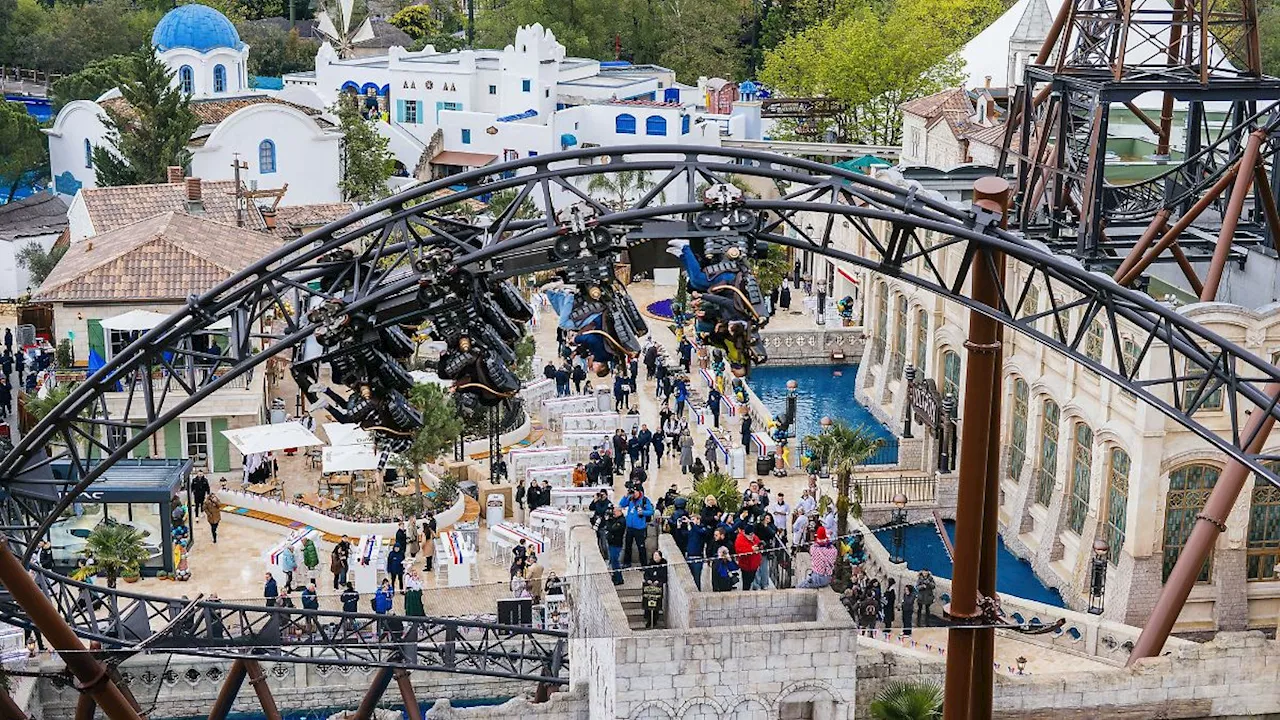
(324, 24)
(362, 33)
(348, 11)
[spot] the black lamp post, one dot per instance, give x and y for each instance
(910, 372)
(899, 520)
(1098, 576)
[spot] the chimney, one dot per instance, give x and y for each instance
(195, 198)
(175, 175)
(987, 83)
(269, 217)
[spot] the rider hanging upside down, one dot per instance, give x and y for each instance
(729, 309)
(605, 321)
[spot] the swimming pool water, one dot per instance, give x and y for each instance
(322, 714)
(1014, 576)
(824, 390)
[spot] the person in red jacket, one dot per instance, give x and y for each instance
(747, 547)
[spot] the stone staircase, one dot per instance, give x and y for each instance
(629, 593)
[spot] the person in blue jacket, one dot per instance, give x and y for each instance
(728, 308)
(605, 332)
(384, 598)
(695, 547)
(638, 510)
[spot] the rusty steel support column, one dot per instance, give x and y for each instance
(1174, 56)
(85, 707)
(981, 364)
(230, 689)
(1210, 523)
(1148, 236)
(9, 709)
(985, 643)
(1231, 218)
(1262, 189)
(407, 696)
(370, 701)
(1188, 271)
(1184, 222)
(258, 680)
(92, 677)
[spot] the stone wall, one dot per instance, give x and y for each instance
(687, 607)
(813, 346)
(1233, 676)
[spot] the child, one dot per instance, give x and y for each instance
(652, 596)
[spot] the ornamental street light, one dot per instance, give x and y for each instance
(910, 372)
(1098, 576)
(899, 520)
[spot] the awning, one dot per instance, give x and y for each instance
(140, 320)
(263, 438)
(462, 159)
(347, 434)
(568, 140)
(348, 458)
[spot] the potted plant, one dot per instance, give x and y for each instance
(115, 547)
(131, 574)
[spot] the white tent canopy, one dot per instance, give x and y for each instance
(140, 320)
(264, 438)
(348, 458)
(347, 434)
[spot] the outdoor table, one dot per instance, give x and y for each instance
(319, 503)
(456, 557)
(521, 459)
(557, 475)
(549, 518)
(508, 535)
(260, 489)
(407, 490)
(576, 496)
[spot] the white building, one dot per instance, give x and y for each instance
(951, 128)
(37, 220)
(284, 138)
(445, 112)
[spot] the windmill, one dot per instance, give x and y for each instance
(334, 23)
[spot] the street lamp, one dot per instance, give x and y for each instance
(1098, 576)
(899, 520)
(910, 372)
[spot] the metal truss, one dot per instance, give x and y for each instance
(126, 623)
(369, 271)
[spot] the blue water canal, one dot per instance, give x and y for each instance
(1014, 576)
(824, 391)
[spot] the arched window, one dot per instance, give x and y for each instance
(1189, 488)
(1018, 429)
(899, 358)
(951, 375)
(625, 124)
(882, 324)
(266, 157)
(1264, 529)
(684, 124)
(187, 80)
(922, 341)
(1117, 503)
(655, 125)
(1191, 395)
(1093, 340)
(219, 79)
(88, 153)
(1047, 473)
(1081, 476)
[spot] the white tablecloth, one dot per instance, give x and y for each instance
(508, 535)
(576, 496)
(521, 459)
(453, 548)
(591, 422)
(585, 439)
(549, 517)
(555, 408)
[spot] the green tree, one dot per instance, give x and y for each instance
(40, 407)
(73, 35)
(907, 701)
(719, 486)
(524, 358)
(859, 58)
(586, 28)
(39, 263)
(151, 133)
(620, 188)
(24, 148)
(771, 269)
(116, 549)
(277, 51)
(417, 21)
(500, 202)
(840, 449)
(21, 35)
(440, 427)
(702, 38)
(90, 82)
(366, 161)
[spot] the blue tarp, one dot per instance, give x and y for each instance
(530, 113)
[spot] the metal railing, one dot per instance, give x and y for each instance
(921, 489)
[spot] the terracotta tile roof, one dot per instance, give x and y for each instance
(932, 106)
(212, 111)
(295, 220)
(992, 135)
(166, 257)
(115, 207)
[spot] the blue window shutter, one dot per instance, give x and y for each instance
(655, 125)
(684, 125)
(625, 124)
(466, 137)
(671, 95)
(399, 111)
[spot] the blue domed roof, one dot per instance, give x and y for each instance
(197, 27)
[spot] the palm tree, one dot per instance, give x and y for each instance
(840, 448)
(623, 186)
(116, 549)
(907, 701)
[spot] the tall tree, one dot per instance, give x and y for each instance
(440, 426)
(620, 188)
(151, 132)
(860, 59)
(366, 161)
(702, 38)
(94, 79)
(39, 263)
(23, 148)
(840, 449)
(277, 51)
